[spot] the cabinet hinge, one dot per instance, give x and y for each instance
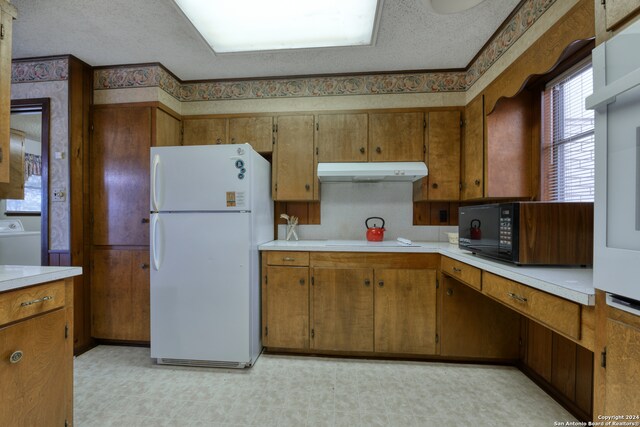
(66, 330)
(91, 127)
(460, 186)
(1, 31)
(276, 186)
(424, 124)
(312, 281)
(603, 358)
(424, 149)
(66, 423)
(276, 127)
(266, 331)
(437, 338)
(316, 151)
(317, 126)
(313, 333)
(603, 3)
(461, 123)
(266, 280)
(437, 283)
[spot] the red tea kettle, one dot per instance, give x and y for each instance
(374, 234)
(475, 233)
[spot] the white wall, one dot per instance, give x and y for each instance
(346, 206)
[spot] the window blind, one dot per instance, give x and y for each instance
(568, 137)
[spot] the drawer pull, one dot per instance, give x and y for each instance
(36, 301)
(16, 356)
(516, 297)
(287, 258)
(457, 270)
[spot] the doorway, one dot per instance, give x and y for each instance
(32, 117)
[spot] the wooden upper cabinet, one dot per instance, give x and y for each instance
(294, 176)
(508, 148)
(442, 158)
(342, 137)
(285, 303)
(208, 131)
(342, 309)
(473, 151)
(396, 137)
(120, 175)
(405, 311)
(168, 129)
(14, 189)
(618, 11)
(257, 131)
(7, 14)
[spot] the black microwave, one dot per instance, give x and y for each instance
(545, 233)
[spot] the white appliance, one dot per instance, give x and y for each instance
(616, 101)
(210, 209)
(17, 246)
(371, 171)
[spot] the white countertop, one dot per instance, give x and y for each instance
(19, 276)
(572, 283)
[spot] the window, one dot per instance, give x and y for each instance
(568, 137)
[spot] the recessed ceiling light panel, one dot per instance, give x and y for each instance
(258, 25)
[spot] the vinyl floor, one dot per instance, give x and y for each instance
(121, 386)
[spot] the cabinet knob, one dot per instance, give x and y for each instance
(307, 187)
(218, 141)
(449, 291)
(367, 282)
(434, 185)
(378, 150)
(301, 282)
(144, 266)
(381, 283)
(477, 182)
(16, 356)
(144, 221)
(362, 150)
(233, 140)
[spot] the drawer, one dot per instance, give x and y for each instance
(557, 313)
(465, 273)
(288, 258)
(25, 302)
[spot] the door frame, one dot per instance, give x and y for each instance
(43, 106)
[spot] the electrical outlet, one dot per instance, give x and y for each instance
(59, 195)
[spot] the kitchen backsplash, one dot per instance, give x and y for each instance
(346, 206)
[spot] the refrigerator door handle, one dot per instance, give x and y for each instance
(154, 242)
(154, 182)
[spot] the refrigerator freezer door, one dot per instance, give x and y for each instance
(200, 286)
(201, 178)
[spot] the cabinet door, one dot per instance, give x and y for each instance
(616, 11)
(6, 19)
(287, 307)
(257, 131)
(168, 130)
(204, 131)
(120, 175)
(405, 311)
(623, 369)
(33, 389)
(473, 150)
(342, 137)
(342, 309)
(294, 171)
(396, 137)
(473, 325)
(120, 295)
(442, 158)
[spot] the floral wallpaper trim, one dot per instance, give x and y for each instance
(40, 71)
(400, 83)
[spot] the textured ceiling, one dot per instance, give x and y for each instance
(411, 37)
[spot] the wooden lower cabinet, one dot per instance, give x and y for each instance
(405, 311)
(476, 326)
(342, 309)
(285, 302)
(120, 294)
(37, 385)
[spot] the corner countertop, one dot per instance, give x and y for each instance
(572, 283)
(19, 276)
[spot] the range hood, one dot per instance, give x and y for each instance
(371, 171)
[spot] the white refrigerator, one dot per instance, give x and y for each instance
(210, 209)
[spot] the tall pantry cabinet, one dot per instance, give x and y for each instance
(7, 14)
(122, 136)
